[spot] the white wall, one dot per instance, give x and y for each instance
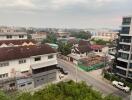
(14, 64)
(14, 37)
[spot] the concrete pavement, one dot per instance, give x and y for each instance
(90, 79)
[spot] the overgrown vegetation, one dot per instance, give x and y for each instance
(62, 91)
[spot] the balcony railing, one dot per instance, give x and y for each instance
(125, 40)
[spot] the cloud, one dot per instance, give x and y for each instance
(73, 13)
(16, 3)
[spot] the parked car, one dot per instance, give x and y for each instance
(121, 86)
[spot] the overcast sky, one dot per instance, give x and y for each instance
(64, 13)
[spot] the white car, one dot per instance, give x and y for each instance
(121, 86)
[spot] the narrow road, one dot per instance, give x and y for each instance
(100, 85)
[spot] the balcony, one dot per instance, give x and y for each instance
(121, 72)
(124, 43)
(126, 39)
(123, 51)
(120, 67)
(121, 59)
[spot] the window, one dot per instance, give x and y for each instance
(37, 58)
(50, 56)
(4, 75)
(21, 36)
(22, 85)
(22, 61)
(4, 64)
(9, 36)
(29, 83)
(12, 84)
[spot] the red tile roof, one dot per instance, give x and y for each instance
(96, 47)
(17, 42)
(11, 53)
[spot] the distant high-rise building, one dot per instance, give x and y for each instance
(124, 53)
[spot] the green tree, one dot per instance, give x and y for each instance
(64, 48)
(101, 42)
(51, 38)
(81, 35)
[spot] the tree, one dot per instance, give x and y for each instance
(51, 38)
(64, 48)
(101, 42)
(81, 35)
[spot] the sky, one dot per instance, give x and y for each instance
(64, 13)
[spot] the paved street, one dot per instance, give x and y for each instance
(90, 79)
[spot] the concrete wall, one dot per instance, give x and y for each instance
(25, 84)
(45, 77)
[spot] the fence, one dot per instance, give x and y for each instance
(89, 68)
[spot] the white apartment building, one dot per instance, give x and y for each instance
(13, 35)
(7, 33)
(27, 60)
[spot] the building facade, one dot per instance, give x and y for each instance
(7, 33)
(124, 52)
(39, 36)
(25, 60)
(106, 35)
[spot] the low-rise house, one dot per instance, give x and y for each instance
(36, 60)
(99, 49)
(62, 34)
(81, 49)
(13, 35)
(39, 36)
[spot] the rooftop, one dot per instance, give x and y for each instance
(17, 42)
(12, 53)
